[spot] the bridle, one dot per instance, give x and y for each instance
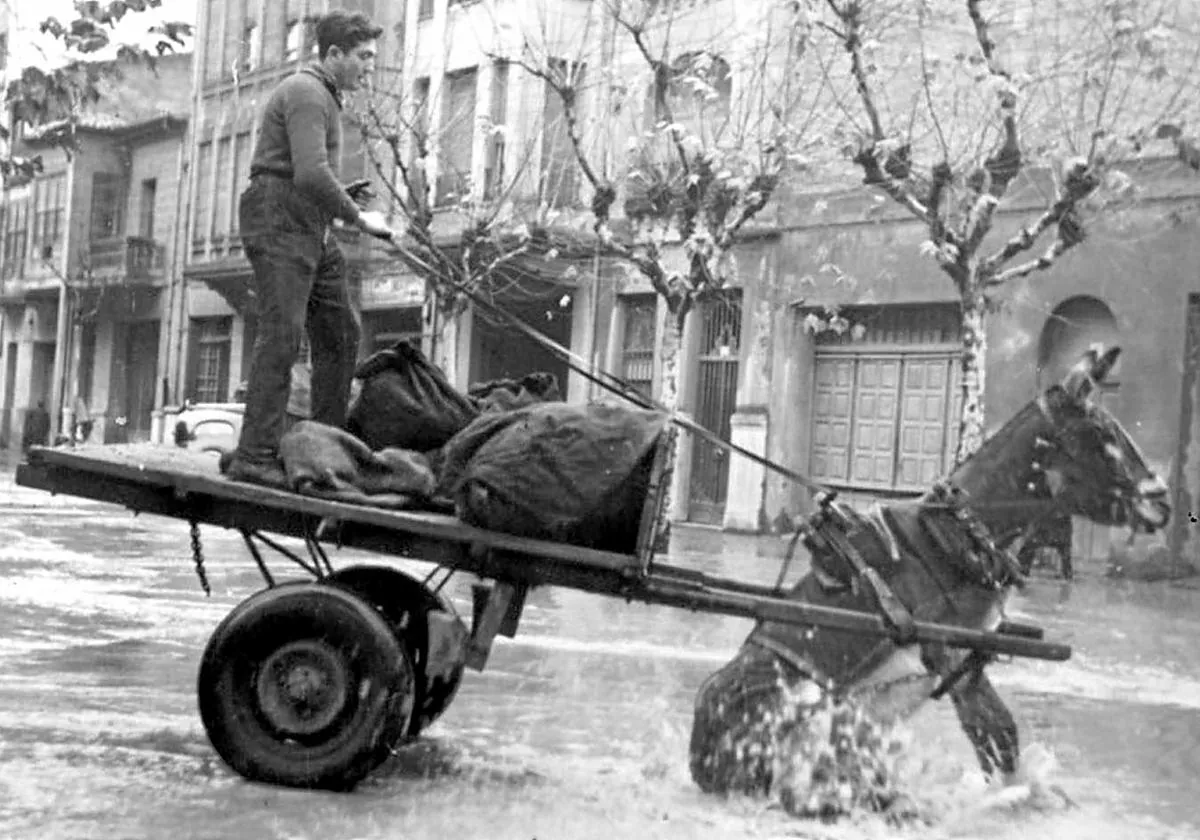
(1065, 443)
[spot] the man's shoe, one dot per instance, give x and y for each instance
(264, 473)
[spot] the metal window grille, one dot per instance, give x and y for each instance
(212, 362)
(637, 351)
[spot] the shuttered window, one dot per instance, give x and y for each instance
(212, 341)
(886, 400)
(457, 137)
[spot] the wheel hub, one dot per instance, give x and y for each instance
(303, 687)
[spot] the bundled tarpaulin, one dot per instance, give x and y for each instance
(509, 394)
(331, 463)
(405, 401)
(577, 474)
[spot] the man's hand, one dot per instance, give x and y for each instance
(361, 192)
(375, 223)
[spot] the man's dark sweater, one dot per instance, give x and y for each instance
(301, 139)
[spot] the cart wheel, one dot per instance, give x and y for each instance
(406, 604)
(298, 683)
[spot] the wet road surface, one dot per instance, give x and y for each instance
(578, 728)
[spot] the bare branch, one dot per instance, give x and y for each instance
(1079, 182)
(565, 90)
(875, 175)
(984, 37)
(929, 95)
(500, 260)
(851, 16)
(662, 81)
(1056, 250)
(867, 157)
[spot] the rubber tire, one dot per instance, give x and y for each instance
(377, 664)
(394, 593)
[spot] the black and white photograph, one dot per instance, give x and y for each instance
(600, 419)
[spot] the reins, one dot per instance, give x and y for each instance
(618, 386)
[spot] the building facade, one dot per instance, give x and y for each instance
(244, 50)
(873, 411)
(870, 412)
(87, 252)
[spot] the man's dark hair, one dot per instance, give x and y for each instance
(345, 30)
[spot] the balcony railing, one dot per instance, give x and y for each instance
(130, 257)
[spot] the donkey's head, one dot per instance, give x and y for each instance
(1088, 462)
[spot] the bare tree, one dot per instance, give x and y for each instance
(949, 104)
(683, 126)
(54, 95)
(490, 239)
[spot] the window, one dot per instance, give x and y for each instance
(213, 41)
(147, 198)
(3, 50)
(220, 216)
(886, 402)
(384, 327)
(108, 206)
(293, 40)
(419, 142)
(240, 174)
(87, 361)
(559, 183)
(401, 40)
(457, 137)
(697, 95)
(251, 46)
(637, 347)
(421, 110)
(203, 205)
(15, 237)
(49, 205)
(493, 173)
(212, 343)
(425, 10)
(310, 36)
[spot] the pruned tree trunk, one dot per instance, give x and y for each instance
(669, 397)
(974, 367)
(672, 360)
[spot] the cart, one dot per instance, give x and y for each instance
(314, 683)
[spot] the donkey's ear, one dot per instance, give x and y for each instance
(1104, 364)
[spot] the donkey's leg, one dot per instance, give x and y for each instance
(740, 711)
(988, 723)
(981, 711)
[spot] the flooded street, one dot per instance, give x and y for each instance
(578, 729)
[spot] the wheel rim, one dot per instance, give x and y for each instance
(303, 687)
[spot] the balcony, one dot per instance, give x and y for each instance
(129, 258)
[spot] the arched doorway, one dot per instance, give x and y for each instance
(1075, 325)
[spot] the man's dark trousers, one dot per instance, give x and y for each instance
(299, 283)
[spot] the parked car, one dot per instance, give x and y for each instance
(215, 426)
(209, 427)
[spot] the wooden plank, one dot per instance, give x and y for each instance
(187, 474)
(653, 522)
(492, 605)
(715, 599)
(171, 483)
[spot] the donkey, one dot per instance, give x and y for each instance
(942, 558)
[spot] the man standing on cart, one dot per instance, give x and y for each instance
(285, 216)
